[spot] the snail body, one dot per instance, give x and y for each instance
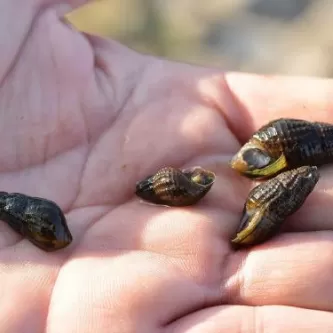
(271, 202)
(175, 187)
(39, 220)
(284, 144)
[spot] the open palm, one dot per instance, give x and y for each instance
(83, 119)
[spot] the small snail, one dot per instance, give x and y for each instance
(271, 202)
(175, 187)
(39, 220)
(284, 144)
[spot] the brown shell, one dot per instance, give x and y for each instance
(271, 202)
(176, 187)
(300, 142)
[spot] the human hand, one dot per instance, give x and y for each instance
(82, 120)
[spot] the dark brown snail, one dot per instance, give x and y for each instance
(39, 220)
(284, 144)
(175, 187)
(271, 202)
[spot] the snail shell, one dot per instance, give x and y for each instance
(284, 144)
(39, 220)
(175, 187)
(271, 202)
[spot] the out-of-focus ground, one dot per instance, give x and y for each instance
(293, 37)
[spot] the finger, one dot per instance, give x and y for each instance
(291, 269)
(27, 277)
(244, 319)
(259, 99)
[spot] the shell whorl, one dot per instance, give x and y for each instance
(175, 187)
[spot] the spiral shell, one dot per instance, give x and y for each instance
(271, 202)
(175, 187)
(284, 144)
(41, 221)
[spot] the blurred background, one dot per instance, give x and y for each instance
(293, 37)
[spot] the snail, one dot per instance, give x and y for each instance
(39, 220)
(271, 202)
(284, 144)
(175, 187)
(285, 154)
